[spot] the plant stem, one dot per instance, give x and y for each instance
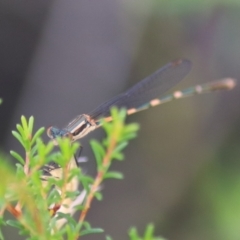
(13, 211)
(98, 180)
(26, 165)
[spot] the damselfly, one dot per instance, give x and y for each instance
(140, 97)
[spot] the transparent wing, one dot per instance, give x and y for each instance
(149, 88)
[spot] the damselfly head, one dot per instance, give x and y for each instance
(54, 132)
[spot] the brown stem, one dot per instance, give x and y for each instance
(18, 206)
(13, 211)
(97, 182)
(26, 165)
(63, 190)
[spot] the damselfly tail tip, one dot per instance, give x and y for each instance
(225, 84)
(230, 83)
(177, 62)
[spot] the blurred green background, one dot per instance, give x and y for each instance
(63, 58)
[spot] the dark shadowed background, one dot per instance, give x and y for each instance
(62, 58)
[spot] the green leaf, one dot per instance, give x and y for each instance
(107, 126)
(75, 172)
(17, 156)
(54, 196)
(87, 225)
(98, 151)
(149, 232)
(130, 131)
(72, 195)
(24, 124)
(148, 235)
(30, 124)
(114, 113)
(108, 238)
(118, 115)
(91, 231)
(128, 136)
(132, 127)
(2, 222)
(123, 113)
(24, 232)
(49, 146)
(14, 223)
(68, 217)
(18, 137)
(20, 171)
(98, 196)
(34, 150)
(79, 207)
(1, 235)
(86, 181)
(68, 230)
(133, 234)
(121, 146)
(20, 130)
(112, 174)
(37, 134)
(118, 156)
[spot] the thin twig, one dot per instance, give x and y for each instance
(26, 165)
(97, 182)
(13, 211)
(18, 206)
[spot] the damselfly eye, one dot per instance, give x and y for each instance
(50, 132)
(54, 132)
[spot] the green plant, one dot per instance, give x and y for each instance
(42, 195)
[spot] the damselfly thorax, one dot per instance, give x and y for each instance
(77, 128)
(143, 95)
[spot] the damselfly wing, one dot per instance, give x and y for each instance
(146, 93)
